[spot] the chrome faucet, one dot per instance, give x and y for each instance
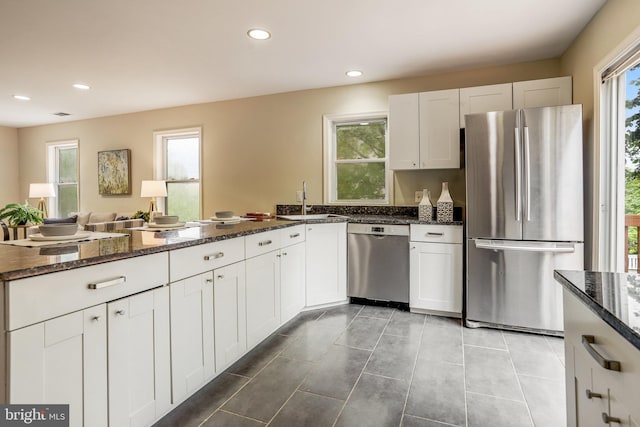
(305, 208)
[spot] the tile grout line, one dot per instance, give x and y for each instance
(363, 368)
(464, 375)
(524, 398)
(413, 371)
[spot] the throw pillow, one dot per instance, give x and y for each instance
(101, 217)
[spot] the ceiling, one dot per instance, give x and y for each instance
(148, 54)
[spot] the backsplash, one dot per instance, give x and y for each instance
(411, 211)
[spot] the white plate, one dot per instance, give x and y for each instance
(37, 237)
(231, 218)
(174, 225)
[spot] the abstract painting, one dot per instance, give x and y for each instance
(114, 172)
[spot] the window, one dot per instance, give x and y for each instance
(62, 167)
(178, 163)
(356, 159)
(619, 214)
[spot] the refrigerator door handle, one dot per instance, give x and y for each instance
(527, 171)
(518, 161)
(492, 245)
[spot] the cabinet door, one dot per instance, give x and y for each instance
(404, 131)
(436, 277)
(326, 263)
(482, 99)
(139, 358)
(542, 93)
(292, 277)
(263, 296)
(230, 313)
(440, 129)
(63, 361)
(591, 393)
(192, 345)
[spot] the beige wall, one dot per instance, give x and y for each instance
(9, 172)
(256, 151)
(596, 43)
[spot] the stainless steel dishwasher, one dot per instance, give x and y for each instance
(378, 262)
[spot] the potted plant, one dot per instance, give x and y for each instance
(17, 214)
(141, 214)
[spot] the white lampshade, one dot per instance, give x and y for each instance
(153, 189)
(43, 189)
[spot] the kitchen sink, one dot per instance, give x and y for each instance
(310, 216)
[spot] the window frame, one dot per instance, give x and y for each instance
(608, 206)
(160, 160)
(52, 171)
(330, 162)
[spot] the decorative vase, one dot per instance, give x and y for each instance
(425, 208)
(444, 207)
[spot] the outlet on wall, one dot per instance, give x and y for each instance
(298, 196)
(418, 196)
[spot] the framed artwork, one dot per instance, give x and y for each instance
(114, 172)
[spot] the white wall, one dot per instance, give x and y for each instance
(9, 171)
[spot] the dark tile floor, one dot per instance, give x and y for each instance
(370, 366)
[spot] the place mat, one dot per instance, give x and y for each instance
(94, 235)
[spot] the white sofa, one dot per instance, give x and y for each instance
(106, 221)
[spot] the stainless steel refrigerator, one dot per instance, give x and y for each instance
(524, 215)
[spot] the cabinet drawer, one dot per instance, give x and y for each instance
(436, 233)
(194, 260)
(291, 235)
(35, 299)
(261, 243)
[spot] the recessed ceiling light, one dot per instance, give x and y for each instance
(81, 86)
(259, 34)
(354, 73)
(22, 97)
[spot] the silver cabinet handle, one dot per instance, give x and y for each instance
(591, 395)
(107, 283)
(279, 255)
(120, 312)
(220, 276)
(214, 256)
(294, 235)
(607, 419)
(209, 280)
(265, 243)
(587, 342)
(284, 253)
(96, 318)
(431, 233)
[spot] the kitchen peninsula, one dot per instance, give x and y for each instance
(602, 348)
(79, 318)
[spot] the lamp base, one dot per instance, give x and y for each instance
(42, 206)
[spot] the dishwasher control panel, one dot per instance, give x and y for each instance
(378, 229)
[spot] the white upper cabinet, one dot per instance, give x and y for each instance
(542, 93)
(439, 129)
(424, 130)
(482, 99)
(404, 131)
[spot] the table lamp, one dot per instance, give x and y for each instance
(42, 190)
(153, 189)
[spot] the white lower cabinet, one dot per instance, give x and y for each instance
(229, 296)
(63, 361)
(263, 296)
(326, 275)
(597, 391)
(139, 358)
(192, 338)
(292, 277)
(435, 281)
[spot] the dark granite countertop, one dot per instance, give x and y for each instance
(614, 297)
(397, 220)
(20, 262)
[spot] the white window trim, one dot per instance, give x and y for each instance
(52, 167)
(329, 140)
(608, 208)
(159, 164)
